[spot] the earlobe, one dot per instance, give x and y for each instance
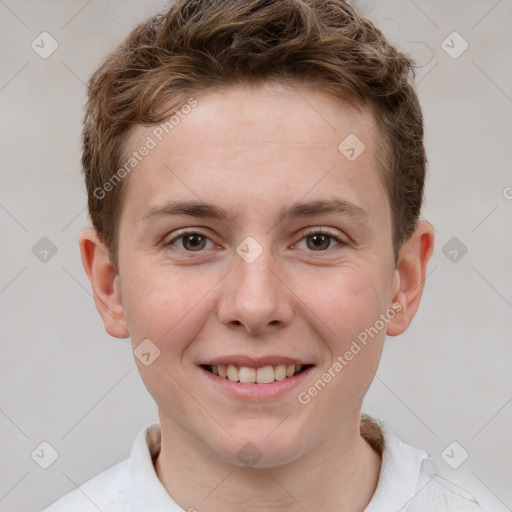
(104, 282)
(410, 276)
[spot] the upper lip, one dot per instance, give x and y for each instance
(252, 361)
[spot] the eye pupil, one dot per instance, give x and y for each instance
(194, 240)
(320, 239)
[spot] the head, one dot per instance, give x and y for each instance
(286, 139)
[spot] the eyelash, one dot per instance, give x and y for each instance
(312, 232)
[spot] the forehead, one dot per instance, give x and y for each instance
(272, 143)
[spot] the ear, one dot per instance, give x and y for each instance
(104, 282)
(410, 276)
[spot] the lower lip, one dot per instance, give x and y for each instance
(249, 391)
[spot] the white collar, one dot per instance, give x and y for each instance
(399, 474)
(398, 480)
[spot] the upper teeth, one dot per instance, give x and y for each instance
(263, 375)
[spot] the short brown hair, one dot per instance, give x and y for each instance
(198, 45)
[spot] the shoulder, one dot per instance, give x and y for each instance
(409, 480)
(131, 485)
(104, 491)
(440, 495)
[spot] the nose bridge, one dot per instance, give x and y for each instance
(256, 298)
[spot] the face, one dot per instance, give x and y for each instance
(282, 265)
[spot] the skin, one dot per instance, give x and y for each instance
(254, 151)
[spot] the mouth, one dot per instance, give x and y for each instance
(256, 375)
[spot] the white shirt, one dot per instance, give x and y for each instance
(407, 482)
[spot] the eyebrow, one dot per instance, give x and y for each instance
(205, 210)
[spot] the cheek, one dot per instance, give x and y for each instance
(166, 305)
(349, 313)
(347, 301)
(169, 307)
(353, 334)
(355, 311)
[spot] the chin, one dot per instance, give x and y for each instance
(261, 449)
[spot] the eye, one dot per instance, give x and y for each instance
(191, 241)
(319, 240)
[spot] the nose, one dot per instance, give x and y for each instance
(255, 297)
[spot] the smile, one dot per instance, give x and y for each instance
(262, 375)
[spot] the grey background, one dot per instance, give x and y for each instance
(63, 380)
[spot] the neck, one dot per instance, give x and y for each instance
(340, 474)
